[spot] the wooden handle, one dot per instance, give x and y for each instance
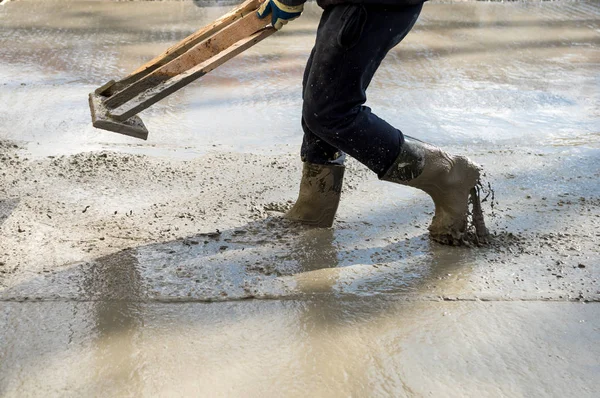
(247, 7)
(146, 98)
(199, 53)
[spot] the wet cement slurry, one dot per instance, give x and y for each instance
(132, 268)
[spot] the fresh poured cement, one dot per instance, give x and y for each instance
(163, 267)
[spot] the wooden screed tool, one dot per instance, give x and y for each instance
(115, 105)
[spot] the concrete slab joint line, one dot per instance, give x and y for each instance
(392, 297)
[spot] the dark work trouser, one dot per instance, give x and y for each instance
(352, 40)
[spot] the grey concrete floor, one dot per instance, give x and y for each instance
(115, 282)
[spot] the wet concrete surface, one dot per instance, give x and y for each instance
(356, 347)
(133, 268)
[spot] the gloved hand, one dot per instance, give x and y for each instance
(280, 13)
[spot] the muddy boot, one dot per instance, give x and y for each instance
(319, 195)
(451, 181)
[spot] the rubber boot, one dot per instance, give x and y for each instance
(319, 197)
(450, 181)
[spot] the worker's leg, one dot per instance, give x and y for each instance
(314, 149)
(322, 177)
(337, 74)
(352, 40)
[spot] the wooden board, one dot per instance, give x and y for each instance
(154, 94)
(201, 52)
(249, 6)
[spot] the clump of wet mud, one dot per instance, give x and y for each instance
(11, 164)
(477, 233)
(98, 163)
(279, 207)
(8, 145)
(8, 153)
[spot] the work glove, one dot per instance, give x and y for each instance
(280, 13)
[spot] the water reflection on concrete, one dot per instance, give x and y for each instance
(115, 285)
(297, 348)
